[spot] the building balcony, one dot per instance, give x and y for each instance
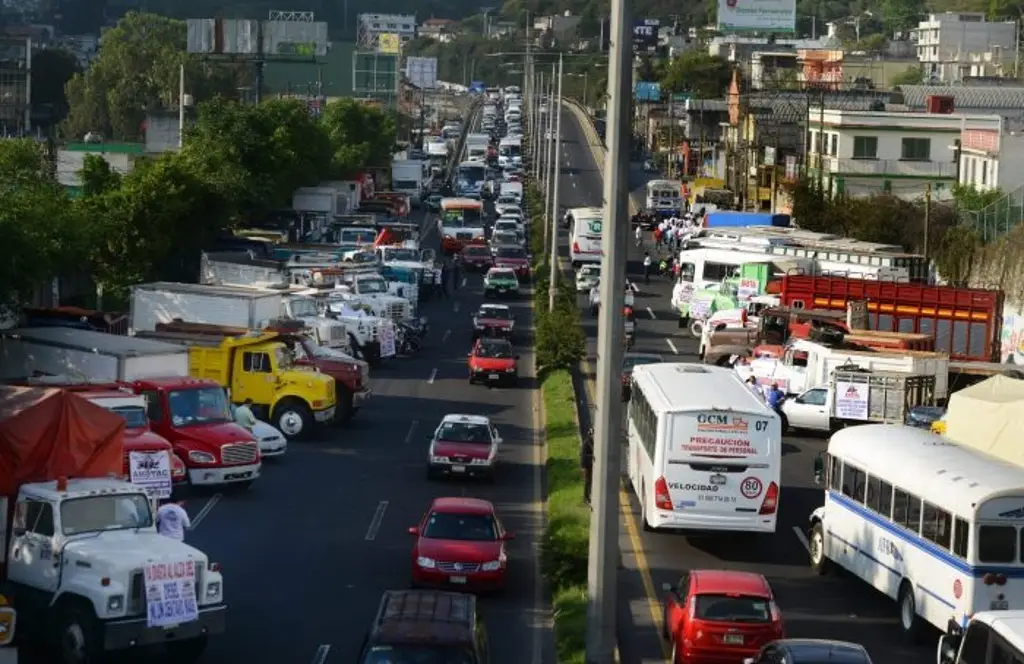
(882, 167)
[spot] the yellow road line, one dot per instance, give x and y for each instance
(625, 508)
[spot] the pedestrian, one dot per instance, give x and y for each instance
(657, 238)
(443, 289)
(639, 236)
(647, 268)
(587, 462)
(755, 388)
(776, 397)
(172, 520)
(455, 275)
(244, 416)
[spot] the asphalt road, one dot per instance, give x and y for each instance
(838, 607)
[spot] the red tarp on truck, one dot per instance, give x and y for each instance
(51, 433)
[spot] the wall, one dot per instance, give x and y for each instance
(69, 163)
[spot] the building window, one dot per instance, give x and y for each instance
(916, 149)
(865, 147)
(834, 151)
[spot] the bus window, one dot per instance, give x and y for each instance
(686, 272)
(835, 473)
(961, 531)
(997, 544)
(936, 524)
(853, 482)
(717, 271)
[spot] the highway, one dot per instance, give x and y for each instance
(835, 607)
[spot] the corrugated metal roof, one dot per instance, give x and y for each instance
(966, 97)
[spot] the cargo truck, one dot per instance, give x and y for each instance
(164, 302)
(84, 566)
(407, 178)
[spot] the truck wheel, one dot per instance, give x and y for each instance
(345, 409)
(188, 651)
(78, 642)
(696, 328)
(293, 418)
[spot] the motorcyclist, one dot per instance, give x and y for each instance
(595, 298)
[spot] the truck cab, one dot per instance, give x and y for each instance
(372, 289)
(327, 331)
(193, 415)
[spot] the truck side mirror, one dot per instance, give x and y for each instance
(819, 469)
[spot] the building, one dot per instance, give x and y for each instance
(863, 152)
(439, 29)
(1004, 101)
(954, 46)
(991, 159)
(562, 27)
(371, 26)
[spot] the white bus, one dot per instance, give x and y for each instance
(991, 637)
(935, 526)
(585, 227)
(705, 453)
(664, 197)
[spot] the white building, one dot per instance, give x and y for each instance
(864, 152)
(991, 159)
(371, 26)
(954, 46)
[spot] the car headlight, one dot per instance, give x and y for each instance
(438, 459)
(426, 563)
(213, 590)
(492, 566)
(115, 603)
(511, 370)
(201, 457)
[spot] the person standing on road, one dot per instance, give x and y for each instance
(455, 275)
(639, 236)
(172, 520)
(244, 416)
(647, 268)
(587, 462)
(443, 290)
(776, 397)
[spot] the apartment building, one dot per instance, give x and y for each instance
(955, 46)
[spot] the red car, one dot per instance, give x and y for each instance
(460, 544)
(514, 258)
(494, 320)
(493, 360)
(720, 617)
(476, 257)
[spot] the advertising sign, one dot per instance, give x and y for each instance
(170, 593)
(151, 471)
(389, 43)
(295, 39)
(649, 91)
(477, 87)
(851, 401)
(645, 35)
(422, 72)
(387, 341)
(756, 16)
(374, 73)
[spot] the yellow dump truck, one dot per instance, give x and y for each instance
(260, 367)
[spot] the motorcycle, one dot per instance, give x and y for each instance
(418, 327)
(407, 340)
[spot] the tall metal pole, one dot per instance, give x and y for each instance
(551, 156)
(538, 130)
(556, 108)
(604, 525)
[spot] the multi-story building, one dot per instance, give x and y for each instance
(371, 26)
(991, 159)
(439, 29)
(957, 45)
(863, 152)
(563, 27)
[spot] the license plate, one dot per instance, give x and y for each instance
(733, 639)
(170, 627)
(458, 469)
(493, 376)
(457, 579)
(999, 605)
(718, 479)
(502, 290)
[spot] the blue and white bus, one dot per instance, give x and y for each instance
(935, 526)
(470, 178)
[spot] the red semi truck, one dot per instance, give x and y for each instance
(966, 322)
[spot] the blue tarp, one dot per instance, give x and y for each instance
(733, 219)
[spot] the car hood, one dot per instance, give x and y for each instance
(472, 450)
(123, 549)
(477, 259)
(264, 431)
(493, 322)
(492, 363)
(458, 551)
(214, 434)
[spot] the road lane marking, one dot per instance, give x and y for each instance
(644, 569)
(803, 538)
(433, 376)
(633, 285)
(463, 283)
(671, 345)
(444, 337)
(455, 307)
(207, 508)
(412, 429)
(378, 518)
(650, 312)
(321, 654)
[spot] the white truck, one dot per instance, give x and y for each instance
(85, 567)
(476, 146)
(407, 178)
(806, 364)
(232, 306)
(85, 354)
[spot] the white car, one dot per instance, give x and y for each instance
(508, 205)
(464, 445)
(808, 411)
(587, 277)
(272, 442)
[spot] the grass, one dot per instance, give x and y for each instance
(567, 532)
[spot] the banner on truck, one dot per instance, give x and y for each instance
(171, 593)
(851, 401)
(151, 471)
(387, 341)
(723, 435)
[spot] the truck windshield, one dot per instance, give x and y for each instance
(373, 286)
(410, 654)
(202, 405)
(401, 255)
(134, 416)
(303, 308)
(105, 512)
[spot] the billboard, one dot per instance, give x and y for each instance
(645, 35)
(422, 72)
(389, 43)
(375, 74)
(477, 87)
(649, 91)
(756, 16)
(295, 38)
(226, 36)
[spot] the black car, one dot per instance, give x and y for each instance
(426, 626)
(811, 651)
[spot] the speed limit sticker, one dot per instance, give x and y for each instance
(751, 487)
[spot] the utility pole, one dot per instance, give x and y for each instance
(927, 220)
(552, 157)
(602, 570)
(538, 131)
(553, 224)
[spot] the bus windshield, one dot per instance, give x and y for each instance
(509, 150)
(460, 217)
(472, 173)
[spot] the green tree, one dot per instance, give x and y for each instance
(52, 68)
(957, 254)
(909, 76)
(360, 135)
(97, 176)
(899, 15)
(696, 72)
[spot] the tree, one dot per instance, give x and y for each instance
(909, 76)
(900, 15)
(136, 71)
(696, 72)
(957, 254)
(97, 176)
(52, 68)
(360, 135)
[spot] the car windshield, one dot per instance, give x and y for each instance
(476, 250)
(363, 257)
(503, 275)
(465, 527)
(303, 307)
(506, 226)
(504, 237)
(105, 512)
(401, 255)
(511, 252)
(497, 313)
(733, 608)
(202, 405)
(590, 272)
(464, 432)
(628, 363)
(410, 654)
(494, 350)
(134, 416)
(371, 285)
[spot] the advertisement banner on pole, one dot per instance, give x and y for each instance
(756, 16)
(422, 72)
(649, 91)
(645, 35)
(389, 43)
